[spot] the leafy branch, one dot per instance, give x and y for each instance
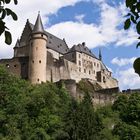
(3, 13)
(133, 16)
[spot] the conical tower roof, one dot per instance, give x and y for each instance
(38, 25)
(17, 43)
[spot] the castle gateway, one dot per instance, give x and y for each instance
(40, 56)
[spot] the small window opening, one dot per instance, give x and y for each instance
(89, 71)
(7, 65)
(15, 66)
(84, 70)
(79, 63)
(39, 61)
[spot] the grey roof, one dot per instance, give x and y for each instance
(38, 25)
(103, 66)
(54, 42)
(83, 49)
(17, 43)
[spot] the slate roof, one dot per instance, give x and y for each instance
(83, 49)
(103, 66)
(55, 43)
(38, 25)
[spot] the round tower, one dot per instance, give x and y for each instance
(38, 53)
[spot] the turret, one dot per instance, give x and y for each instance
(38, 53)
(17, 45)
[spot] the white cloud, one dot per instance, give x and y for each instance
(79, 18)
(128, 79)
(123, 61)
(104, 33)
(76, 32)
(29, 9)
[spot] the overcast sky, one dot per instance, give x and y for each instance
(99, 23)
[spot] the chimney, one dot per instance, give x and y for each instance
(84, 44)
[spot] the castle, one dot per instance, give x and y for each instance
(40, 56)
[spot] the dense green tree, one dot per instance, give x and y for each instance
(129, 111)
(82, 122)
(3, 13)
(30, 112)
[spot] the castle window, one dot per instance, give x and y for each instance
(97, 65)
(89, 71)
(7, 65)
(23, 64)
(79, 55)
(58, 46)
(38, 80)
(50, 37)
(41, 35)
(84, 70)
(39, 61)
(79, 69)
(79, 63)
(32, 61)
(104, 79)
(15, 66)
(94, 64)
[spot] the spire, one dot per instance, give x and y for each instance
(17, 43)
(38, 24)
(100, 54)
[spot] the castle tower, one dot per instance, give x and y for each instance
(38, 53)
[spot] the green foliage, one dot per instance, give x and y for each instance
(82, 122)
(6, 12)
(136, 65)
(47, 112)
(121, 103)
(133, 15)
(129, 110)
(30, 112)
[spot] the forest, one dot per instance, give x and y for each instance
(48, 112)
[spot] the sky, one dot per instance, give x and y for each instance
(98, 23)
